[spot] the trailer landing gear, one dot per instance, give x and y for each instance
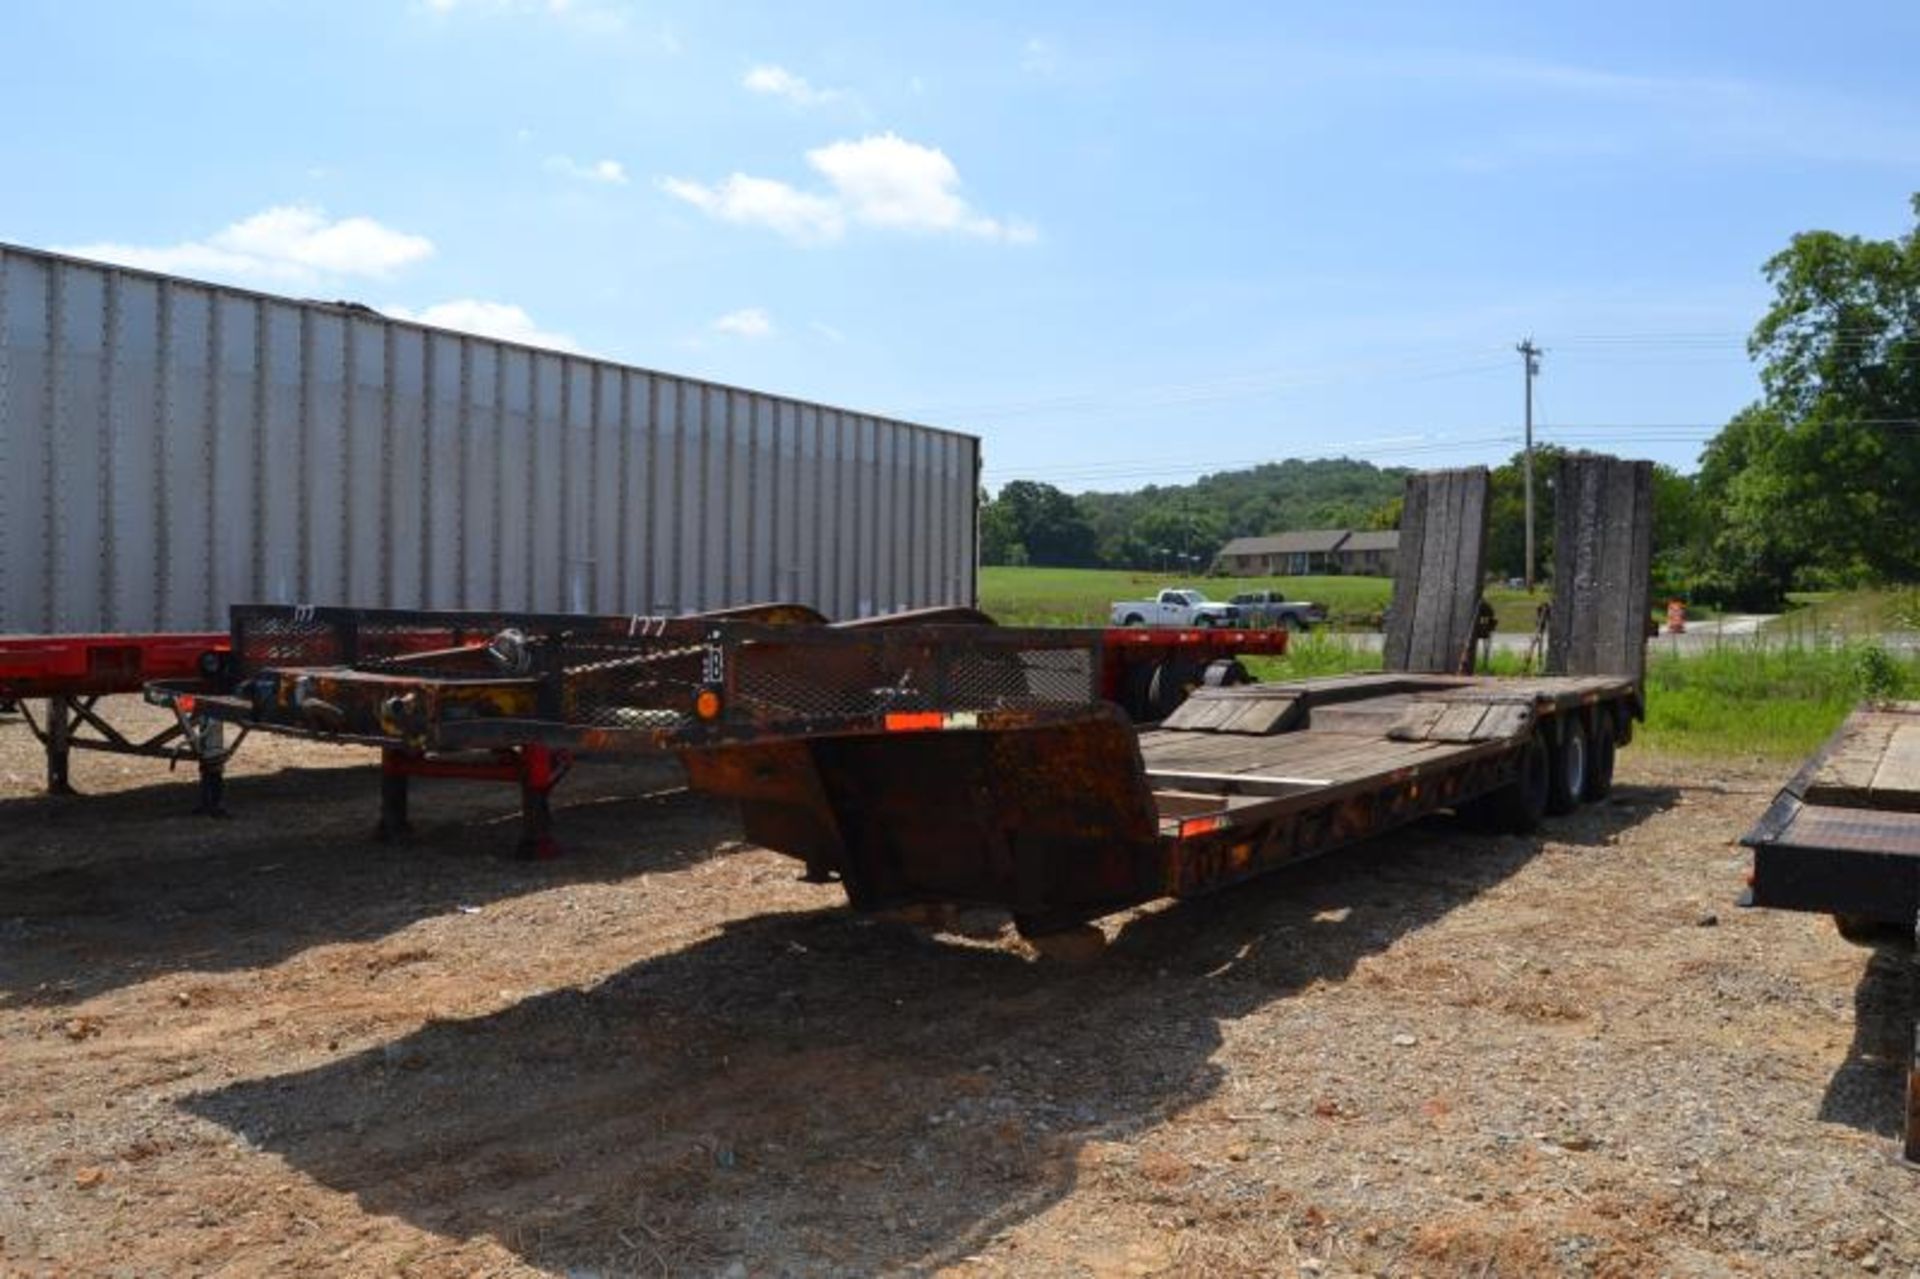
(74, 722)
(536, 769)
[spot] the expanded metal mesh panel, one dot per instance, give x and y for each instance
(638, 682)
(808, 681)
(1021, 677)
(776, 682)
(261, 642)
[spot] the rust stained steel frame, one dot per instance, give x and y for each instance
(909, 761)
(1063, 823)
(425, 681)
(421, 685)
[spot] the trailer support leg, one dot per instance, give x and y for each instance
(393, 826)
(541, 769)
(1911, 1137)
(59, 740)
(208, 738)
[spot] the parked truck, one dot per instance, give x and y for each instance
(1176, 606)
(1264, 609)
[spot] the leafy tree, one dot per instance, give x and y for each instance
(1822, 477)
(999, 539)
(1048, 524)
(1141, 529)
(1507, 514)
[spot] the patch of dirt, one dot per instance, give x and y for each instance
(271, 1045)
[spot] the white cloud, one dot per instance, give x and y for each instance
(764, 202)
(828, 332)
(881, 180)
(609, 172)
(748, 322)
(1037, 57)
(488, 319)
(781, 83)
(288, 244)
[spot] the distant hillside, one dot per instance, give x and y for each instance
(1035, 523)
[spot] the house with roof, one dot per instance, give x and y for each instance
(1370, 552)
(1297, 554)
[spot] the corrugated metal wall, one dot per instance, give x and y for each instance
(168, 448)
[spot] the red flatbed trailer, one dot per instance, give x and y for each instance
(73, 672)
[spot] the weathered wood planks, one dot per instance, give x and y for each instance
(1874, 761)
(1436, 585)
(1602, 566)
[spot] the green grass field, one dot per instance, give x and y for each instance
(1732, 700)
(1083, 596)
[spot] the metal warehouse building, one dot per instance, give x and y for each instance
(169, 447)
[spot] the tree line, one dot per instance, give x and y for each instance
(1814, 485)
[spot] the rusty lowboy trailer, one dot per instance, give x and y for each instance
(948, 760)
(942, 758)
(1842, 838)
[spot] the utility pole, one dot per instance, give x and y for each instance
(1531, 354)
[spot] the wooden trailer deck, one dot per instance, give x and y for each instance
(1843, 839)
(1261, 749)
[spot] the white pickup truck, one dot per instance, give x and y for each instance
(1177, 607)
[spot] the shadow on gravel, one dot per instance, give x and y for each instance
(1869, 1090)
(819, 1093)
(100, 892)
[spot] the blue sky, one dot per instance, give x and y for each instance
(1124, 244)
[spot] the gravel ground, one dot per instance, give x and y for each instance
(268, 1045)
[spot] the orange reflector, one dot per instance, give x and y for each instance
(915, 721)
(707, 704)
(1201, 826)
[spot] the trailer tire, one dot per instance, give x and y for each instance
(1600, 755)
(1173, 679)
(1226, 672)
(1517, 807)
(1567, 778)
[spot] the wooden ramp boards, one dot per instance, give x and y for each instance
(1493, 709)
(1479, 719)
(1872, 762)
(1436, 584)
(1263, 709)
(1602, 566)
